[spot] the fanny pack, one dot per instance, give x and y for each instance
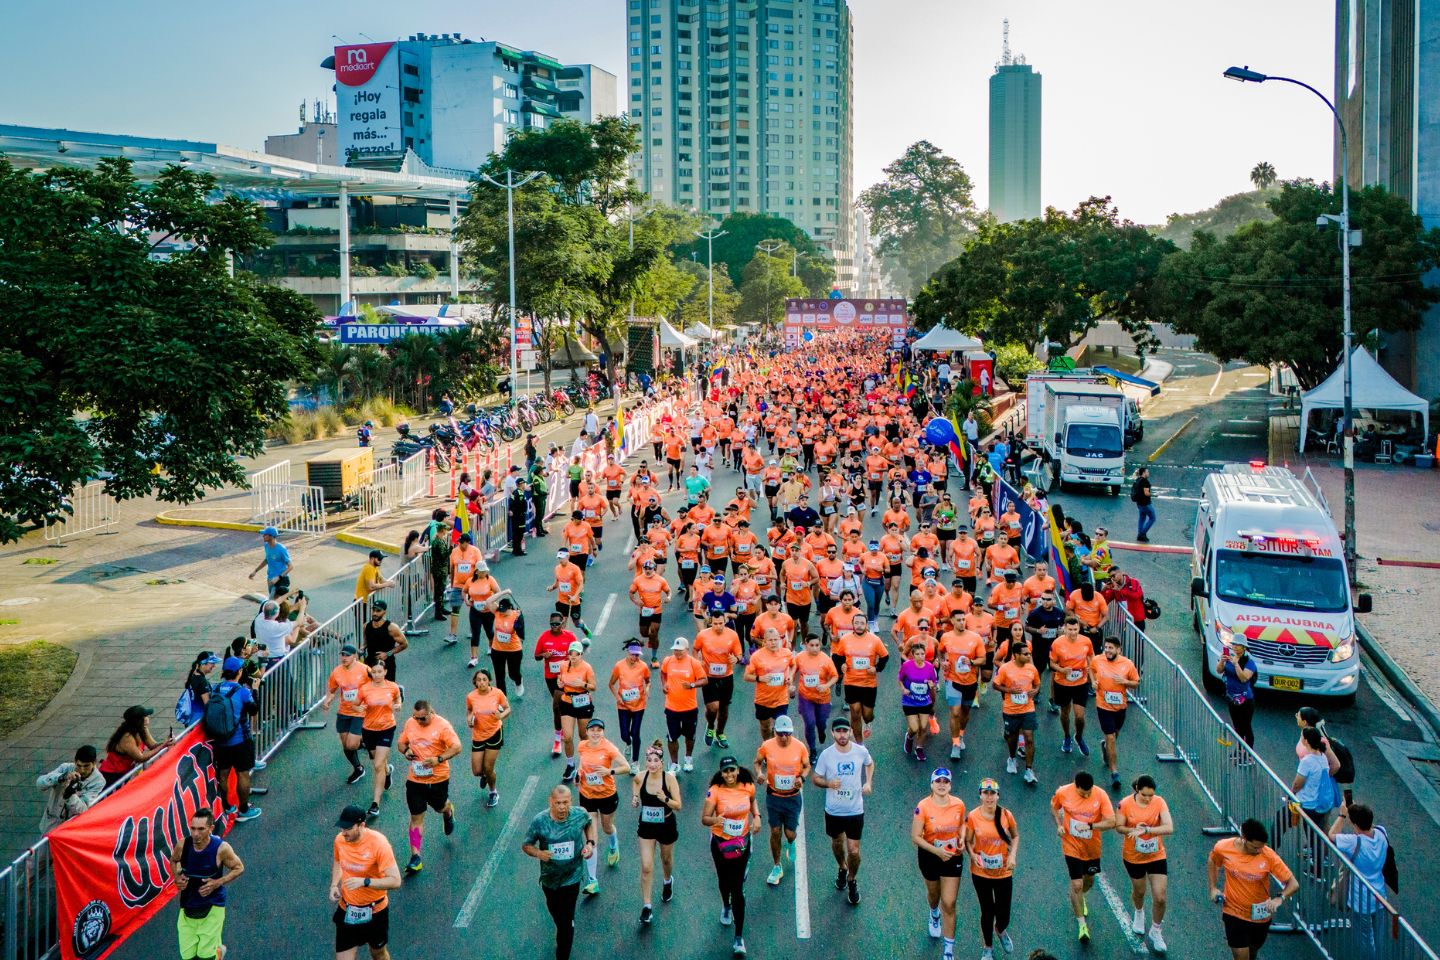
(732, 848)
(198, 913)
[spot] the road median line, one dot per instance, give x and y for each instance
(1171, 439)
(504, 842)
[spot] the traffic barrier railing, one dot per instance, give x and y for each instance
(414, 476)
(1341, 913)
(92, 510)
(269, 489)
(296, 508)
(378, 493)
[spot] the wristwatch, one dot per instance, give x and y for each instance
(367, 881)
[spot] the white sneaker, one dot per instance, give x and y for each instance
(451, 639)
(987, 954)
(1157, 942)
(934, 926)
(1005, 941)
(1137, 923)
(473, 663)
(689, 765)
(725, 918)
(519, 691)
(954, 751)
(1029, 775)
(962, 744)
(1010, 765)
(674, 768)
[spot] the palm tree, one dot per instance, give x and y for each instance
(1263, 176)
(335, 371)
(417, 359)
(371, 372)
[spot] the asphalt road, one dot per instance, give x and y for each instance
(281, 905)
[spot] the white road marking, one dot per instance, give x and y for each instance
(1386, 697)
(1242, 436)
(1216, 385)
(605, 614)
(802, 883)
(1176, 497)
(1255, 373)
(503, 842)
(630, 543)
(1122, 916)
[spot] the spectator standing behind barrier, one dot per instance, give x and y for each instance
(131, 744)
(370, 578)
(233, 744)
(519, 508)
(191, 705)
(1123, 588)
(1238, 671)
(437, 537)
(71, 788)
(1368, 848)
(540, 494)
(203, 865)
(276, 564)
(274, 634)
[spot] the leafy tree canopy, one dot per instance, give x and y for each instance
(922, 213)
(1271, 292)
(743, 231)
(764, 288)
(694, 307)
(1221, 220)
(168, 361)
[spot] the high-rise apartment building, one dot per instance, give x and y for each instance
(454, 101)
(745, 106)
(1014, 138)
(1387, 91)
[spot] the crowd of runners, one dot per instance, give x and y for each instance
(851, 571)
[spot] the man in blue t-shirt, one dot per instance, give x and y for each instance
(237, 751)
(277, 563)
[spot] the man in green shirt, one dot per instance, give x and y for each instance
(695, 485)
(561, 838)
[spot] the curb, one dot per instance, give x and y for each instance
(166, 520)
(1399, 679)
(1150, 547)
(359, 540)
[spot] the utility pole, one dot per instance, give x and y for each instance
(509, 186)
(769, 248)
(710, 236)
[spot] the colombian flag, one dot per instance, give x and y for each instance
(620, 428)
(960, 448)
(1058, 568)
(462, 516)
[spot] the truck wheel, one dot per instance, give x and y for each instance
(1113, 490)
(1056, 484)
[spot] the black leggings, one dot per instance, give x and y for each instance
(504, 661)
(630, 731)
(994, 897)
(1241, 715)
(731, 874)
(561, 904)
(481, 621)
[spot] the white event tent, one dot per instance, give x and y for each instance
(943, 339)
(1372, 388)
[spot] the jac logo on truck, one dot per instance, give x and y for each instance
(355, 65)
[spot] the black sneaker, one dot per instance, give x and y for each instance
(374, 811)
(389, 773)
(449, 819)
(647, 913)
(356, 775)
(667, 890)
(852, 893)
(840, 879)
(415, 865)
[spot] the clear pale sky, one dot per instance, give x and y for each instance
(1134, 104)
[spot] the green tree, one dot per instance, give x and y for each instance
(1263, 175)
(1014, 362)
(695, 306)
(764, 286)
(662, 289)
(1271, 292)
(372, 373)
(415, 360)
(743, 231)
(922, 212)
(334, 371)
(173, 361)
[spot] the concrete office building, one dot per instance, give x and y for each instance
(746, 106)
(452, 101)
(313, 142)
(1387, 90)
(867, 264)
(1014, 138)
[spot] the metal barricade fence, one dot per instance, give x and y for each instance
(378, 493)
(298, 508)
(414, 477)
(1341, 913)
(91, 509)
(269, 489)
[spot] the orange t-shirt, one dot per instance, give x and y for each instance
(593, 774)
(505, 639)
(1071, 660)
(348, 683)
(569, 582)
(861, 651)
(716, 540)
(370, 856)
(578, 536)
(812, 671)
(783, 765)
(1247, 876)
(1077, 815)
(941, 823)
(576, 681)
(614, 477)
(1018, 685)
(484, 709)
(462, 564)
(966, 553)
(716, 645)
(798, 575)
(632, 680)
(1145, 848)
(989, 852)
(379, 701)
(1110, 695)
(780, 621)
(676, 671)
(732, 804)
(964, 653)
(1007, 602)
(592, 509)
(770, 672)
(650, 588)
(1090, 612)
(428, 741)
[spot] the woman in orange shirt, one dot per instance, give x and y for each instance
(733, 817)
(486, 708)
(380, 698)
(630, 683)
(1143, 819)
(576, 682)
(992, 839)
(938, 832)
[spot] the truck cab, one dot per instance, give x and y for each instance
(1268, 565)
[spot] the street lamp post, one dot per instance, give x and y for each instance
(769, 248)
(1347, 240)
(710, 236)
(509, 186)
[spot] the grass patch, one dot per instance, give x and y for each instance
(31, 674)
(8, 623)
(38, 562)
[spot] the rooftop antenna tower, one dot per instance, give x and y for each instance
(1005, 58)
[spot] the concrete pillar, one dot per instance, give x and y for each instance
(344, 203)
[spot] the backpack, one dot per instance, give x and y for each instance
(1346, 773)
(185, 706)
(220, 720)
(1152, 609)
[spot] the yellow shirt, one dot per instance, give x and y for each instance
(365, 583)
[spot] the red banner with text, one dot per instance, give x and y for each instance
(112, 863)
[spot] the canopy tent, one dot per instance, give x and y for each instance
(700, 332)
(1371, 389)
(673, 339)
(568, 349)
(942, 339)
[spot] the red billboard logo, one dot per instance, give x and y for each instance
(356, 64)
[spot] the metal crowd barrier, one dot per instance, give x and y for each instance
(269, 489)
(299, 508)
(91, 510)
(1341, 913)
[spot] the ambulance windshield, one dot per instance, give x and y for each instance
(1285, 581)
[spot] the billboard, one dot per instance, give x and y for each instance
(367, 97)
(866, 316)
(385, 332)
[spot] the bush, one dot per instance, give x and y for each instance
(379, 410)
(1014, 363)
(302, 425)
(425, 270)
(394, 268)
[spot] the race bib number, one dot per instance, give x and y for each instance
(594, 780)
(992, 861)
(630, 695)
(462, 567)
(552, 667)
(1260, 911)
(742, 548)
(962, 664)
(579, 700)
(349, 696)
(422, 768)
(687, 564)
(564, 586)
(588, 514)
(844, 794)
(717, 669)
(919, 689)
(1010, 612)
(798, 585)
(647, 611)
(773, 679)
(733, 828)
(1114, 698)
(785, 782)
(564, 850)
(875, 476)
(575, 548)
(1049, 634)
(1074, 675)
(502, 636)
(1147, 844)
(1020, 699)
(860, 663)
(1079, 830)
(811, 680)
(354, 916)
(652, 814)
(963, 566)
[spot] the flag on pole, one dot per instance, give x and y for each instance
(619, 443)
(1058, 567)
(960, 448)
(462, 516)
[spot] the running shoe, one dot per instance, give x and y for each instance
(948, 953)
(494, 800)
(852, 893)
(920, 754)
(1084, 932)
(259, 765)
(647, 913)
(356, 775)
(249, 814)
(737, 946)
(569, 773)
(1006, 942)
(909, 744)
(777, 872)
(1067, 745)
(473, 663)
(1010, 765)
(674, 768)
(374, 811)
(667, 890)
(612, 858)
(415, 865)
(725, 918)
(1157, 942)
(840, 879)
(389, 774)
(1084, 747)
(934, 925)
(709, 736)
(954, 749)
(987, 954)
(519, 691)
(934, 726)
(722, 741)
(449, 821)
(866, 734)
(451, 639)
(555, 746)
(1030, 776)
(1137, 923)
(962, 743)
(1115, 782)
(689, 766)
(591, 888)
(1054, 707)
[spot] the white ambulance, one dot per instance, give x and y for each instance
(1269, 566)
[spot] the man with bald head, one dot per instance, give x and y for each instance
(561, 838)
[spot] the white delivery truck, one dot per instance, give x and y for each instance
(1081, 432)
(1035, 403)
(1268, 566)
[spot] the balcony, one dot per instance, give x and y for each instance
(359, 286)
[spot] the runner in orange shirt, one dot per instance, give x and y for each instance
(630, 685)
(346, 681)
(772, 670)
(592, 511)
(876, 466)
(380, 698)
(1039, 582)
(815, 676)
(429, 743)
(687, 558)
(486, 708)
(1114, 677)
(1143, 819)
(600, 762)
(733, 817)
(614, 477)
(961, 654)
(1082, 815)
(569, 588)
(576, 682)
(865, 656)
(938, 832)
(718, 647)
(1007, 601)
(363, 872)
(992, 838)
(773, 618)
(1250, 865)
(681, 674)
(1001, 557)
(783, 764)
(649, 592)
(579, 539)
(747, 604)
(800, 578)
(893, 549)
(1017, 681)
(965, 558)
(1070, 657)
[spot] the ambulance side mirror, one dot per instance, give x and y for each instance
(1363, 603)
(1197, 587)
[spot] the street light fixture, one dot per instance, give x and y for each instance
(710, 236)
(769, 248)
(1347, 240)
(509, 186)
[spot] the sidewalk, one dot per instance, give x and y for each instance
(137, 605)
(1397, 517)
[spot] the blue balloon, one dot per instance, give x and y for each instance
(809, 336)
(940, 432)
